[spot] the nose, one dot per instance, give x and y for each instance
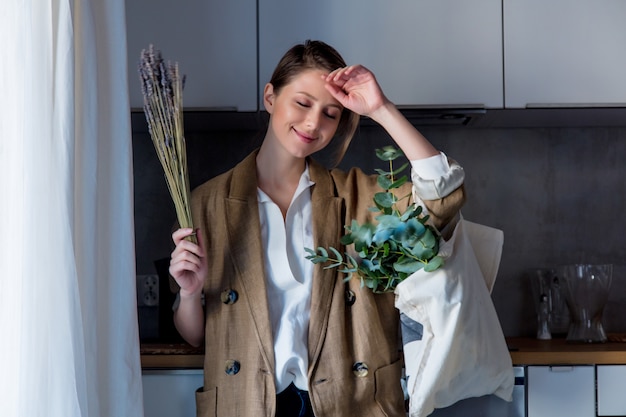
(313, 120)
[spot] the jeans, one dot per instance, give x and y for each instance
(293, 402)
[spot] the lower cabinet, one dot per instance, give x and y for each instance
(561, 391)
(610, 388)
(168, 393)
(541, 391)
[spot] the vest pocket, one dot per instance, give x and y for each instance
(389, 395)
(206, 402)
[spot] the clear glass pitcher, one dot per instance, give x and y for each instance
(549, 300)
(586, 292)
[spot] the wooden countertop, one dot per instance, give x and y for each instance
(171, 355)
(524, 351)
(528, 351)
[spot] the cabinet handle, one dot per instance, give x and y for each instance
(467, 106)
(561, 368)
(574, 105)
(215, 108)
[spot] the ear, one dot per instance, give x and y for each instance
(268, 97)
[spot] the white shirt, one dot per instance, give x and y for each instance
(290, 274)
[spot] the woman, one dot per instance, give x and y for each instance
(285, 337)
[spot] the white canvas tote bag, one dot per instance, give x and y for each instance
(454, 347)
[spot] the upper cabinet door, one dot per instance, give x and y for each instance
(423, 52)
(213, 41)
(564, 53)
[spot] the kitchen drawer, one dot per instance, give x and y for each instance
(561, 391)
(610, 386)
(171, 392)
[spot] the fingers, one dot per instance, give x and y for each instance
(181, 234)
(336, 83)
(341, 76)
(188, 264)
(354, 79)
(179, 238)
(185, 259)
(337, 92)
(187, 255)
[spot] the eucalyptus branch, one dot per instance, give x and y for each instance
(399, 244)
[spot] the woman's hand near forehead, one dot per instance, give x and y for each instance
(356, 88)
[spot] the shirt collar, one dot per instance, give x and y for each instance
(304, 184)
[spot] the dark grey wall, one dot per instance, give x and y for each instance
(559, 195)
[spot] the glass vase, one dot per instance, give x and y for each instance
(587, 291)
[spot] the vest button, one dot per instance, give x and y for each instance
(232, 367)
(350, 298)
(360, 369)
(229, 296)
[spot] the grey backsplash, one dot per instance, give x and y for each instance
(559, 195)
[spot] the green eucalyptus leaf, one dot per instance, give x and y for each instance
(421, 252)
(388, 153)
(352, 262)
(390, 285)
(412, 211)
(408, 266)
(385, 200)
(382, 235)
(434, 264)
(347, 239)
(387, 221)
(399, 170)
(417, 227)
(363, 239)
(370, 283)
(412, 233)
(428, 239)
(386, 249)
(371, 265)
(398, 183)
(384, 182)
(383, 172)
(338, 256)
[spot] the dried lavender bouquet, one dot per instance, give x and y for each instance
(162, 89)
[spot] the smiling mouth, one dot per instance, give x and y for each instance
(305, 138)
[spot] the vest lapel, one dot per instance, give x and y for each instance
(327, 228)
(245, 241)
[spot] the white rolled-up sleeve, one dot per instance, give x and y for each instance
(436, 177)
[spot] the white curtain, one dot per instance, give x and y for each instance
(68, 321)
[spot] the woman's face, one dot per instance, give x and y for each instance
(303, 115)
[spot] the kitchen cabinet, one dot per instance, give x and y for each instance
(213, 41)
(171, 392)
(423, 52)
(610, 386)
(490, 54)
(561, 391)
(564, 53)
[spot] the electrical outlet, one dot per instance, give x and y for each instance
(147, 290)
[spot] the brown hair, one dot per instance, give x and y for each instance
(317, 55)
